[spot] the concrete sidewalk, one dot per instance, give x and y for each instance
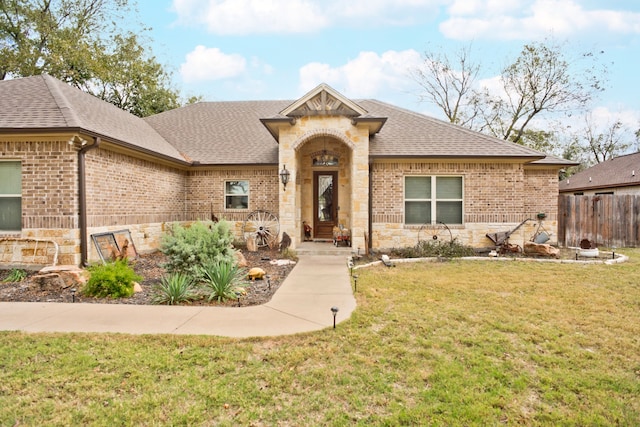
(301, 304)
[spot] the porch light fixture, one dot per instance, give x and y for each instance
(284, 177)
(334, 310)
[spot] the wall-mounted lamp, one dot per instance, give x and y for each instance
(284, 176)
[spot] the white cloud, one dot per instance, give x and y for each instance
(241, 17)
(252, 16)
(206, 64)
(369, 75)
(473, 19)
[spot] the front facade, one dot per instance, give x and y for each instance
(73, 166)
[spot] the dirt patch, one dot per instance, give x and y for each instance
(149, 266)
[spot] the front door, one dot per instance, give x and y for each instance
(325, 204)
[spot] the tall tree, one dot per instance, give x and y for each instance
(81, 43)
(541, 80)
(449, 84)
(604, 143)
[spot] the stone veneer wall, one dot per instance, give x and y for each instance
(497, 197)
(49, 190)
(293, 139)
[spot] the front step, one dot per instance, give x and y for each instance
(323, 248)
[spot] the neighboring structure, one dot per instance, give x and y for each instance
(619, 176)
(72, 165)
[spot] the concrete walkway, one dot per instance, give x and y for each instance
(301, 304)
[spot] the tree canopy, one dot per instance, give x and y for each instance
(81, 43)
(542, 82)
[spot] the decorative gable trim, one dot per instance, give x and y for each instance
(323, 100)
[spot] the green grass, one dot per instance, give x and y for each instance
(452, 343)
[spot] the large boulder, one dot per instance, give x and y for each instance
(542, 249)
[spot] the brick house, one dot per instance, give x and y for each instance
(72, 166)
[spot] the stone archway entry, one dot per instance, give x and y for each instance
(325, 203)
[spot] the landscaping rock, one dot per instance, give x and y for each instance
(543, 249)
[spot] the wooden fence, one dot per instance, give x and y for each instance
(607, 220)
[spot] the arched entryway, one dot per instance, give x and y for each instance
(325, 186)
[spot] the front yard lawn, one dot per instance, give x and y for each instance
(450, 343)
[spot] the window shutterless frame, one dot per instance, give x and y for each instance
(433, 198)
(236, 194)
(10, 195)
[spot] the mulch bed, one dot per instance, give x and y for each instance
(149, 266)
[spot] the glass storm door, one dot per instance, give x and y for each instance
(325, 204)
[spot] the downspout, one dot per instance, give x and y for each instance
(82, 200)
(370, 219)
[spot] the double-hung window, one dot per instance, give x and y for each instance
(10, 196)
(236, 194)
(431, 199)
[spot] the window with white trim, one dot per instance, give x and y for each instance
(236, 194)
(432, 199)
(10, 196)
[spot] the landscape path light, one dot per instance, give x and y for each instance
(334, 310)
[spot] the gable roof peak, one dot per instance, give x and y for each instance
(323, 100)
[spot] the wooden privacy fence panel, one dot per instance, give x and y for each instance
(608, 220)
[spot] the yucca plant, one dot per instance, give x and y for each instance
(174, 289)
(222, 280)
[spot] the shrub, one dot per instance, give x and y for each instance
(428, 248)
(173, 289)
(113, 280)
(15, 275)
(189, 248)
(222, 280)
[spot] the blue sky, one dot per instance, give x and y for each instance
(280, 49)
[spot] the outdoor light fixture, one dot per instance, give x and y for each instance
(334, 310)
(284, 177)
(613, 252)
(355, 283)
(73, 294)
(268, 280)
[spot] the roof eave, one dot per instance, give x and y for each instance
(374, 124)
(273, 125)
(105, 138)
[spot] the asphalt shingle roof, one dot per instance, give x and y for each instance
(221, 132)
(231, 132)
(618, 172)
(44, 103)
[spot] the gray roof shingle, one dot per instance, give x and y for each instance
(221, 132)
(44, 103)
(621, 171)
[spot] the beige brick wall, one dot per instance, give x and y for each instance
(124, 190)
(497, 197)
(205, 193)
(49, 190)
